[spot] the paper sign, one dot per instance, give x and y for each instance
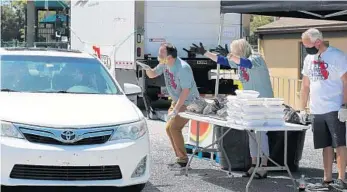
(230, 32)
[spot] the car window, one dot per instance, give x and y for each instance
(55, 74)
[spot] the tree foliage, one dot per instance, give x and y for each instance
(13, 20)
(258, 21)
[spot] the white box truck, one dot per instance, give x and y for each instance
(126, 31)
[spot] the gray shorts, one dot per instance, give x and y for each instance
(328, 131)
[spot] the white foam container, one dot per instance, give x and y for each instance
(238, 121)
(274, 122)
(250, 116)
(273, 101)
(275, 109)
(252, 101)
(231, 105)
(230, 113)
(231, 98)
(254, 123)
(253, 109)
(231, 120)
(247, 94)
(274, 115)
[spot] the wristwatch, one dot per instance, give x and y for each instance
(344, 106)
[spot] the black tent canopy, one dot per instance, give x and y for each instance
(327, 10)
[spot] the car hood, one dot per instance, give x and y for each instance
(67, 110)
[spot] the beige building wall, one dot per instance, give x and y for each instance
(282, 53)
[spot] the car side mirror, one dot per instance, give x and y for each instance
(132, 89)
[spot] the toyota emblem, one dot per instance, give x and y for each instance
(68, 136)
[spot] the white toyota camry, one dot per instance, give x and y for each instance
(66, 122)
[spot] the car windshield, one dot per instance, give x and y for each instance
(50, 74)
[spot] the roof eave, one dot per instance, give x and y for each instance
(342, 27)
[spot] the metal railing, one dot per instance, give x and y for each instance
(288, 89)
(13, 43)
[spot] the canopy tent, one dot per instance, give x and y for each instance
(52, 18)
(53, 4)
(327, 10)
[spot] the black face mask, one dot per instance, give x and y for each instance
(311, 50)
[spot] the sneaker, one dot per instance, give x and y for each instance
(173, 163)
(320, 186)
(249, 172)
(178, 165)
(339, 184)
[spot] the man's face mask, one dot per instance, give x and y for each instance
(162, 60)
(312, 50)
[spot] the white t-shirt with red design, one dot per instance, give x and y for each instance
(326, 87)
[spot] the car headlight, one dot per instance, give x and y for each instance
(131, 131)
(9, 130)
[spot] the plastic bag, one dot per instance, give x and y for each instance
(197, 106)
(212, 107)
(292, 116)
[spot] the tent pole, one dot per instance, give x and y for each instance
(340, 13)
(241, 28)
(313, 14)
(221, 26)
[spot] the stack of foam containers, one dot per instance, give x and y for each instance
(246, 109)
(274, 112)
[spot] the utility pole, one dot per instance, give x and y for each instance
(30, 23)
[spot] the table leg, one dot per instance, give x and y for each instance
(213, 141)
(217, 141)
(220, 143)
(285, 158)
(196, 146)
(259, 142)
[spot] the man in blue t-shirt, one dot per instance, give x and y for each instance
(181, 86)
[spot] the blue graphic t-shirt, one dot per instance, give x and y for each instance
(253, 74)
(178, 77)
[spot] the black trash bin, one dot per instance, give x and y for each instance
(235, 144)
(296, 141)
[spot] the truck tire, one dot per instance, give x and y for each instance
(140, 103)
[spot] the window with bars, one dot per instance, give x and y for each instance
(303, 54)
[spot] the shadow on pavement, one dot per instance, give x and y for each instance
(278, 181)
(149, 188)
(152, 188)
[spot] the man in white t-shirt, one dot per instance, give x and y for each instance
(325, 83)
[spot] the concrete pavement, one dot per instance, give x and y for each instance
(204, 177)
